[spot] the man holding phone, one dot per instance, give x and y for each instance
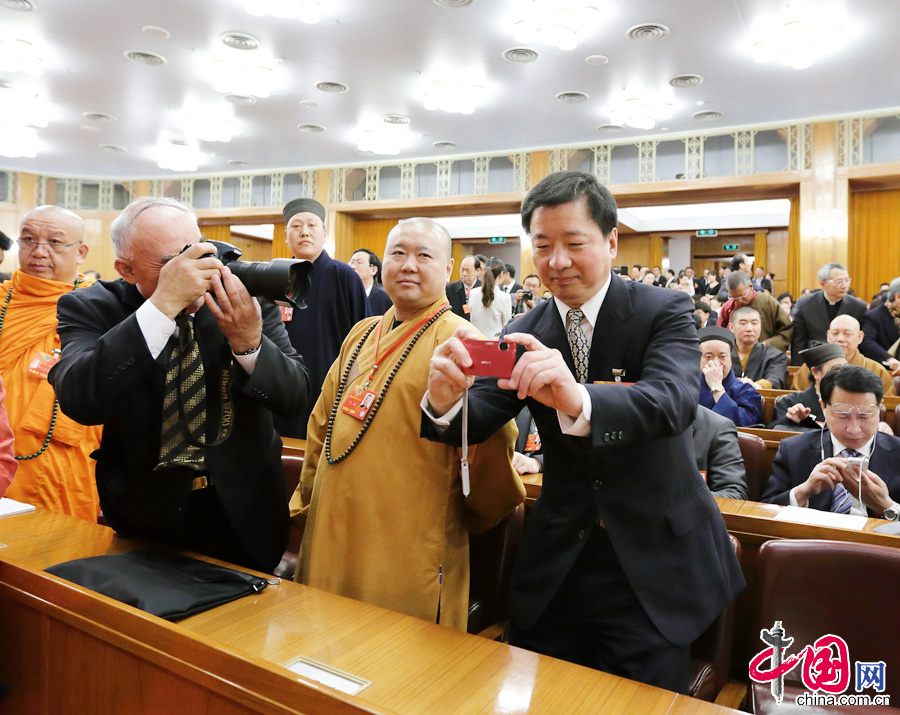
(848, 468)
(625, 558)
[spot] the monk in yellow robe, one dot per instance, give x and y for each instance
(55, 467)
(386, 520)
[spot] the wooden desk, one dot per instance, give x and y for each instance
(66, 649)
(293, 446)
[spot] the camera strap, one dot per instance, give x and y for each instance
(464, 459)
(226, 420)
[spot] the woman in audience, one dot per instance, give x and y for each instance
(489, 307)
(787, 303)
(7, 460)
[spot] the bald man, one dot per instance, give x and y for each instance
(55, 467)
(845, 331)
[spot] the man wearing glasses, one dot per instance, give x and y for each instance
(817, 469)
(55, 468)
(775, 326)
(814, 313)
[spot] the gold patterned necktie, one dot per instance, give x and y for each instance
(578, 343)
(185, 383)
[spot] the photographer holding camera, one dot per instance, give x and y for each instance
(526, 298)
(183, 368)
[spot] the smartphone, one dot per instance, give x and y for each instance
(490, 358)
(861, 463)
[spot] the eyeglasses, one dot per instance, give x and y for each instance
(864, 411)
(27, 245)
(839, 281)
(354, 263)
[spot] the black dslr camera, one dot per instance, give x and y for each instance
(282, 280)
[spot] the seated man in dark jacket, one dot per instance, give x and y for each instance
(812, 470)
(720, 390)
(754, 362)
(802, 411)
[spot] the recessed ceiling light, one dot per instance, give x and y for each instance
(145, 58)
(444, 145)
(395, 119)
(114, 148)
(332, 87)
(155, 31)
(708, 115)
(17, 5)
(453, 3)
(609, 128)
(520, 54)
(90, 128)
(308, 104)
(179, 142)
(571, 97)
(649, 31)
(99, 117)
(311, 128)
(596, 60)
(240, 41)
(238, 162)
(240, 100)
(686, 80)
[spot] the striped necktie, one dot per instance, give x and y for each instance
(185, 375)
(578, 343)
(840, 497)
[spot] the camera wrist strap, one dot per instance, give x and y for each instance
(464, 461)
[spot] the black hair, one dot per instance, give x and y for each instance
(786, 294)
(373, 261)
(511, 269)
(738, 259)
(700, 305)
(566, 187)
(532, 275)
(852, 378)
(479, 260)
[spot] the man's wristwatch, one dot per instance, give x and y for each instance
(717, 388)
(892, 513)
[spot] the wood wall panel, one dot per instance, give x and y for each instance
(874, 240)
(633, 249)
(370, 233)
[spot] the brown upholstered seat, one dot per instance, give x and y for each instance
(753, 450)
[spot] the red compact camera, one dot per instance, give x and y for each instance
(490, 358)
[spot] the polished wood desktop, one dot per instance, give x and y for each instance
(66, 649)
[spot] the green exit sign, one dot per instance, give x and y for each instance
(731, 247)
(707, 232)
(498, 239)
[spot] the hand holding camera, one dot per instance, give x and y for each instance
(185, 279)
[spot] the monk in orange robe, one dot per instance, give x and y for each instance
(55, 467)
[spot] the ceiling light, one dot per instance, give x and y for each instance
(708, 115)
(686, 80)
(640, 113)
(151, 59)
(99, 117)
(20, 56)
(311, 128)
(554, 22)
(571, 97)
(648, 32)
(178, 155)
(17, 5)
(207, 126)
(308, 11)
(453, 96)
(795, 40)
(444, 145)
(384, 139)
(113, 148)
(20, 108)
(240, 75)
(239, 41)
(520, 54)
(16, 142)
(596, 60)
(155, 31)
(332, 87)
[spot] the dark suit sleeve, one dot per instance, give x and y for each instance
(870, 346)
(725, 474)
(800, 340)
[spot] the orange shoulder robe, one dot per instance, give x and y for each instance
(62, 478)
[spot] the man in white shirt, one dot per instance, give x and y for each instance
(815, 470)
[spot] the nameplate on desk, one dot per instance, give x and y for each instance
(815, 517)
(326, 675)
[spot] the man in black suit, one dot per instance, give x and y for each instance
(175, 465)
(458, 291)
(812, 470)
(880, 328)
(814, 313)
(625, 558)
(507, 279)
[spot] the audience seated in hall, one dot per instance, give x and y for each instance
(844, 331)
(719, 454)
(754, 362)
(814, 313)
(812, 470)
(776, 327)
(802, 411)
(880, 328)
(720, 390)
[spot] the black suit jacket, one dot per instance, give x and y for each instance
(636, 471)
(811, 320)
(798, 456)
(880, 333)
(107, 376)
(379, 300)
(456, 294)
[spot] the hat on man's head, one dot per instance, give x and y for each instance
(820, 354)
(5, 241)
(298, 206)
(714, 332)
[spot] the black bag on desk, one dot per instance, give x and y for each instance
(165, 584)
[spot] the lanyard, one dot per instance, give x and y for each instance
(381, 358)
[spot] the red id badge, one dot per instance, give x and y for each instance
(41, 363)
(533, 443)
(358, 405)
(287, 313)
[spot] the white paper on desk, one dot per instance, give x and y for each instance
(801, 515)
(8, 507)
